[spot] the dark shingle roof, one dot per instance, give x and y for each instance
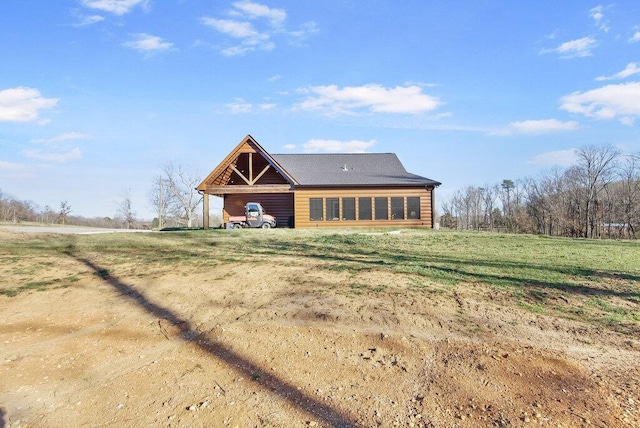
(349, 169)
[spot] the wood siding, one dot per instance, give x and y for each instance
(302, 208)
(279, 205)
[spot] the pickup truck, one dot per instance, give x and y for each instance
(254, 216)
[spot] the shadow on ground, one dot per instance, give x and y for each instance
(268, 382)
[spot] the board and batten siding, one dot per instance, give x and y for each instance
(302, 209)
(279, 205)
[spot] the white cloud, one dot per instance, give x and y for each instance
(72, 154)
(373, 97)
(635, 37)
(23, 104)
(336, 146)
(15, 170)
(557, 158)
(596, 13)
(267, 106)
(240, 106)
(598, 16)
(251, 10)
(290, 146)
(305, 30)
(85, 21)
(148, 44)
(574, 48)
(10, 166)
(117, 7)
(536, 127)
(608, 102)
(68, 136)
(235, 50)
(631, 69)
(237, 29)
(250, 38)
(254, 26)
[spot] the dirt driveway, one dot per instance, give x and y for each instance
(71, 230)
(283, 345)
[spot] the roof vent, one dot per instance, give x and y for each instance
(345, 167)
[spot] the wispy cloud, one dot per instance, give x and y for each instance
(68, 136)
(608, 102)
(117, 7)
(250, 38)
(14, 170)
(597, 14)
(575, 48)
(59, 157)
(253, 27)
(557, 158)
(371, 97)
(251, 10)
(636, 37)
(11, 166)
(23, 104)
(148, 44)
(57, 148)
(239, 106)
(337, 146)
(84, 21)
(535, 127)
(631, 69)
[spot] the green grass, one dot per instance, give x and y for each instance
(591, 280)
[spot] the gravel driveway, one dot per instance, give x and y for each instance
(73, 230)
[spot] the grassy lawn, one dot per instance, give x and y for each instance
(594, 281)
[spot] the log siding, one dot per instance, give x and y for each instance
(303, 214)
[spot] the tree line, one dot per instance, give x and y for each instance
(597, 197)
(172, 194)
(14, 210)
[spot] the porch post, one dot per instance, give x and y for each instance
(205, 211)
(433, 207)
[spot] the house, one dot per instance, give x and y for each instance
(321, 190)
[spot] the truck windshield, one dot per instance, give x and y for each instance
(253, 209)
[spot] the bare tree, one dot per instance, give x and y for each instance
(489, 197)
(595, 170)
(598, 196)
(183, 198)
(159, 199)
(629, 195)
(125, 208)
(65, 210)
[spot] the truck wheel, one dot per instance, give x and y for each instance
(266, 225)
(237, 226)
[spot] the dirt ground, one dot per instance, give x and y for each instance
(288, 345)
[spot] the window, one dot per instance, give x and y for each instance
(333, 209)
(315, 209)
(382, 209)
(397, 208)
(348, 208)
(364, 208)
(253, 210)
(413, 208)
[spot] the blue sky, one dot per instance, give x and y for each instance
(97, 95)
